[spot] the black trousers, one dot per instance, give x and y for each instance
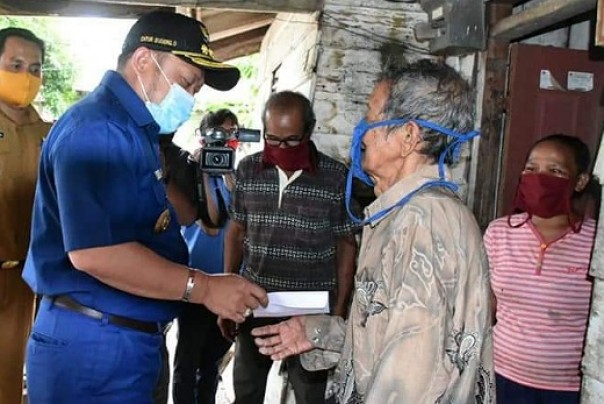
(199, 351)
(251, 370)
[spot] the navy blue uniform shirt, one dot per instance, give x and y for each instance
(97, 186)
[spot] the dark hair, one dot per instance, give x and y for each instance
(582, 158)
(179, 170)
(283, 101)
(23, 34)
(432, 92)
(217, 118)
(575, 145)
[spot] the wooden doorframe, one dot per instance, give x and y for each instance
(492, 111)
(505, 27)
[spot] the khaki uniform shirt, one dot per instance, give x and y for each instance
(19, 155)
(420, 323)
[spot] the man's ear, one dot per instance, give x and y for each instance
(582, 182)
(311, 128)
(410, 138)
(141, 60)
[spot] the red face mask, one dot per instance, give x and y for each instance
(289, 158)
(544, 195)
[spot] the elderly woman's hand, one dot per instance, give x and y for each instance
(282, 340)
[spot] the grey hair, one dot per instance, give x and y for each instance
(432, 92)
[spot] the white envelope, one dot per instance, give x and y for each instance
(286, 304)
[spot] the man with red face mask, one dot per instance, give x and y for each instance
(289, 232)
(21, 133)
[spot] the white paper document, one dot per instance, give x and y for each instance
(285, 304)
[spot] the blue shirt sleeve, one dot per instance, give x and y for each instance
(96, 183)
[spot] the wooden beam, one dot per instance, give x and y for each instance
(492, 108)
(541, 16)
(509, 2)
(240, 45)
(73, 8)
(300, 6)
(228, 23)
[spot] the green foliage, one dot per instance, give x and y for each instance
(240, 100)
(58, 70)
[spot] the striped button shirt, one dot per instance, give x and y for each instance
(543, 293)
(291, 234)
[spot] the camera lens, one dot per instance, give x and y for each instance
(218, 159)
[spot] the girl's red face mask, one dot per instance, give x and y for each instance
(544, 195)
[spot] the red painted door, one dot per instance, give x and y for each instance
(551, 90)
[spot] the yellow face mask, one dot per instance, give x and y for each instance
(18, 89)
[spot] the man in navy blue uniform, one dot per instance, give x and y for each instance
(106, 253)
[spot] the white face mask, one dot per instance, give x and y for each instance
(174, 110)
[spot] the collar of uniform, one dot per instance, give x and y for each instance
(32, 118)
(401, 189)
(131, 102)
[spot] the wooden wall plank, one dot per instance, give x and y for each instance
(251, 5)
(242, 44)
(540, 16)
(345, 27)
(490, 143)
(75, 8)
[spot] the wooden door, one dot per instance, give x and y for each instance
(551, 90)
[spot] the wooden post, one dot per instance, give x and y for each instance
(486, 187)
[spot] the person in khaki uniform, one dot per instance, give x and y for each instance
(21, 134)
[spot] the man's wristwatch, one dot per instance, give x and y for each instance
(190, 285)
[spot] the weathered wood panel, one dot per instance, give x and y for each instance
(376, 4)
(351, 53)
(338, 113)
(243, 44)
(288, 57)
(368, 28)
(76, 8)
(593, 357)
(488, 147)
(597, 260)
(538, 17)
(592, 389)
(252, 5)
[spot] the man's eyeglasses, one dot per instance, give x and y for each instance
(291, 141)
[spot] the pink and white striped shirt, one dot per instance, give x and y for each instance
(543, 293)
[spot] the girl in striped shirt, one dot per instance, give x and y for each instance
(539, 262)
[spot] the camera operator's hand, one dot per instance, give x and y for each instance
(229, 296)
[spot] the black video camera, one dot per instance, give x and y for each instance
(216, 156)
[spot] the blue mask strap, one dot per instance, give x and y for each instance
(361, 222)
(454, 148)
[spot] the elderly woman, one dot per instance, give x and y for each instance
(420, 323)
